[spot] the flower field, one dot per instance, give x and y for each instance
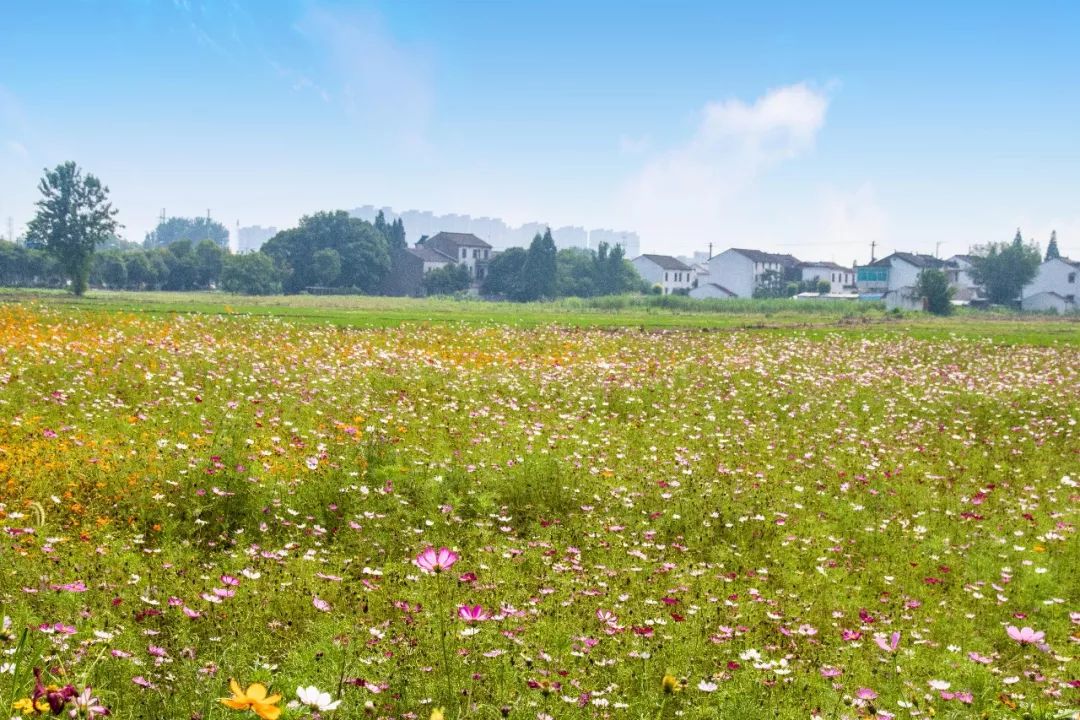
(229, 517)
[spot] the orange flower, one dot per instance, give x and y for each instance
(254, 699)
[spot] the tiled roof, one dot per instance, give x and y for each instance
(667, 262)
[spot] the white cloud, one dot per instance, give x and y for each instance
(852, 220)
(17, 149)
(383, 83)
(634, 144)
(691, 188)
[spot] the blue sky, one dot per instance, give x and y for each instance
(776, 125)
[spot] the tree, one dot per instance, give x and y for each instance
(504, 273)
(614, 273)
(1005, 268)
(933, 287)
(209, 257)
(326, 266)
(1052, 251)
(539, 274)
(446, 280)
(771, 284)
(192, 229)
(363, 251)
(73, 217)
(181, 266)
(250, 274)
(108, 269)
(576, 273)
(141, 273)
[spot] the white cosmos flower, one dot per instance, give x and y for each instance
(706, 686)
(316, 699)
(939, 684)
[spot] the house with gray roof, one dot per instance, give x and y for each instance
(667, 272)
(741, 271)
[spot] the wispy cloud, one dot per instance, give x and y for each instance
(17, 149)
(853, 220)
(381, 82)
(688, 189)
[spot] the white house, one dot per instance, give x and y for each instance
(958, 271)
(669, 273)
(895, 272)
(839, 277)
(741, 271)
(707, 289)
(1054, 287)
(465, 248)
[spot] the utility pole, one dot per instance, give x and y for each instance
(11, 229)
(710, 251)
(937, 249)
(873, 244)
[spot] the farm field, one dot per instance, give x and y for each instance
(826, 517)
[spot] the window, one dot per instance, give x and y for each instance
(665, 277)
(1072, 278)
(873, 274)
(464, 253)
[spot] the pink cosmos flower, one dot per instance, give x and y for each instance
(865, 694)
(890, 644)
(435, 561)
(473, 613)
(1025, 635)
(320, 604)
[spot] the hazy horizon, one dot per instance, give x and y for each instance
(784, 127)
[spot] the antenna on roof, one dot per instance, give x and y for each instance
(873, 244)
(937, 249)
(710, 251)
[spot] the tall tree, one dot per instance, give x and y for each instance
(933, 287)
(193, 229)
(1052, 251)
(504, 274)
(539, 275)
(1005, 268)
(73, 217)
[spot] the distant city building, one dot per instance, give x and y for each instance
(495, 231)
(629, 241)
(250, 239)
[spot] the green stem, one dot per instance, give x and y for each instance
(442, 641)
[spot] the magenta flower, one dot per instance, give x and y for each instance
(1025, 635)
(865, 694)
(435, 561)
(890, 644)
(472, 613)
(320, 604)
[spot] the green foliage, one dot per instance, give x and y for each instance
(109, 269)
(933, 287)
(192, 229)
(504, 273)
(250, 274)
(28, 267)
(73, 217)
(772, 284)
(1052, 252)
(447, 280)
(1005, 268)
(362, 248)
(539, 275)
(326, 267)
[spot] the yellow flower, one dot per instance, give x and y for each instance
(437, 714)
(254, 699)
(26, 706)
(671, 684)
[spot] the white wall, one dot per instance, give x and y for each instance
(647, 269)
(1045, 301)
(837, 279)
(734, 271)
(1053, 276)
(902, 274)
(708, 290)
